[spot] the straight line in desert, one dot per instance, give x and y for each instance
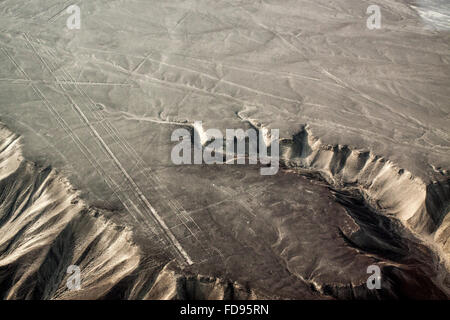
(139, 193)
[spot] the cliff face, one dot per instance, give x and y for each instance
(423, 207)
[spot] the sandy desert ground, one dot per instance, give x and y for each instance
(86, 177)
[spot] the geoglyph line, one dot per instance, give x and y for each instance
(136, 188)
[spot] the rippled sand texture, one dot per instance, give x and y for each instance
(363, 118)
